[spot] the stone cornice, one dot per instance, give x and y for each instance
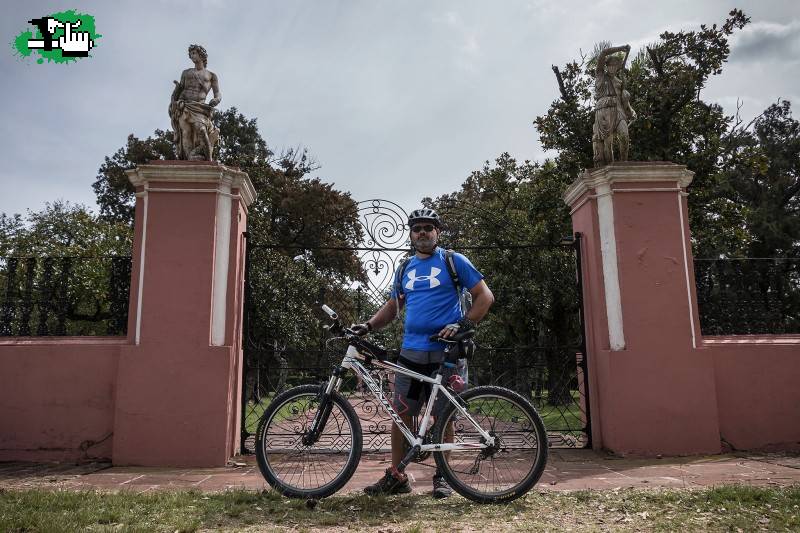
(629, 172)
(191, 172)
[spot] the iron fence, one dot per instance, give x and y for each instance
(57, 296)
(532, 340)
(748, 295)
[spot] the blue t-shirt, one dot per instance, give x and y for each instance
(431, 298)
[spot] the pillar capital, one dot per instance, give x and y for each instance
(635, 173)
(154, 174)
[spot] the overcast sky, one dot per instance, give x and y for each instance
(395, 99)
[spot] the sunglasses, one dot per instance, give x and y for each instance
(427, 227)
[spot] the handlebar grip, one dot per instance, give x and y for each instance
(330, 312)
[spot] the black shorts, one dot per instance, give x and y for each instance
(409, 394)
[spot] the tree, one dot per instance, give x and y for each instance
(62, 229)
(300, 234)
(534, 322)
(743, 200)
(665, 80)
(762, 174)
(64, 271)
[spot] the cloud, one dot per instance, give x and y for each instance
(465, 39)
(767, 41)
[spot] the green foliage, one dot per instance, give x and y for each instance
(762, 176)
(62, 229)
(666, 80)
(295, 216)
(512, 213)
(66, 276)
(115, 194)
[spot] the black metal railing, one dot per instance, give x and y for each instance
(748, 295)
(529, 342)
(553, 388)
(58, 296)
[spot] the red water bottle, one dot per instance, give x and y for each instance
(456, 383)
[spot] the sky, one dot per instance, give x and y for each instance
(394, 99)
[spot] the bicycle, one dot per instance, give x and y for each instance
(309, 439)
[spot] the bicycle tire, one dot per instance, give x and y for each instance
(514, 467)
(301, 471)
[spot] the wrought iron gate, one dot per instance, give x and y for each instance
(532, 340)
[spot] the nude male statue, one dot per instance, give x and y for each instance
(613, 110)
(195, 134)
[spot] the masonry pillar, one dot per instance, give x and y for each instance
(652, 390)
(179, 381)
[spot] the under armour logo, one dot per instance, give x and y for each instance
(412, 278)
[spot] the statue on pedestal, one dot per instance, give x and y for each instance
(613, 111)
(195, 134)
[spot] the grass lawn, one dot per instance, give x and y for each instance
(729, 508)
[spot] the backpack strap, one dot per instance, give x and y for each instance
(449, 259)
(464, 296)
(398, 283)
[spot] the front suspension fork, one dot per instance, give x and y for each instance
(325, 408)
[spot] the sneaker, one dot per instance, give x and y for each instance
(440, 487)
(388, 484)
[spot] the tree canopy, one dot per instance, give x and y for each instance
(745, 185)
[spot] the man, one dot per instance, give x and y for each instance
(613, 111)
(195, 134)
(432, 307)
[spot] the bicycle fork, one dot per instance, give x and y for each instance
(325, 408)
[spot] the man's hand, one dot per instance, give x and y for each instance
(214, 101)
(449, 330)
(361, 329)
(464, 324)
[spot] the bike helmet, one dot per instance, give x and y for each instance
(424, 215)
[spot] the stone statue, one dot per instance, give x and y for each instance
(613, 111)
(195, 134)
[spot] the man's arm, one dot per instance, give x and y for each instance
(482, 300)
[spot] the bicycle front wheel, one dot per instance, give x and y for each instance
(299, 470)
(511, 467)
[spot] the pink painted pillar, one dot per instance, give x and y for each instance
(179, 381)
(651, 390)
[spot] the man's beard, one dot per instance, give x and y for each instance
(425, 245)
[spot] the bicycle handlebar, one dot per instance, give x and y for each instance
(352, 338)
(380, 352)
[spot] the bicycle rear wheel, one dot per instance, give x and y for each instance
(307, 471)
(510, 468)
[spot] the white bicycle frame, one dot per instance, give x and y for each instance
(352, 360)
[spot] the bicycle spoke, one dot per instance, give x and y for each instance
(296, 464)
(510, 462)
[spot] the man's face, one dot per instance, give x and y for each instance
(194, 55)
(424, 237)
